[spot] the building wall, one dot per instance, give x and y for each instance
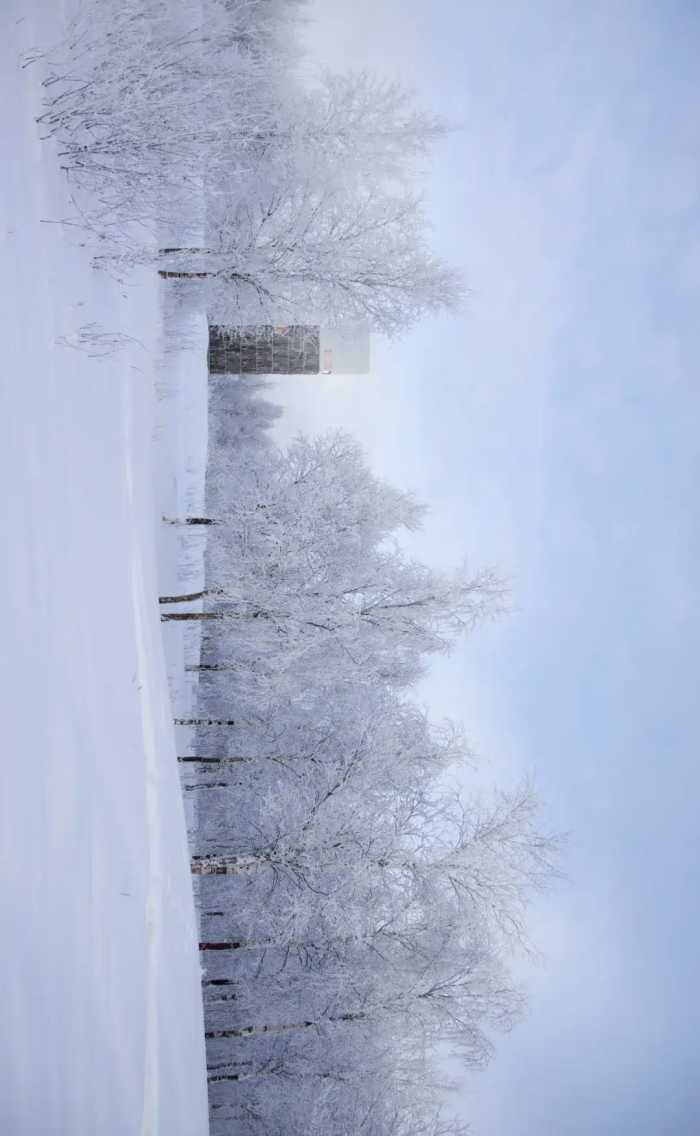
(263, 349)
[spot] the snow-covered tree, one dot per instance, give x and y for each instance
(347, 896)
(290, 204)
(306, 574)
(147, 102)
(361, 129)
(308, 253)
(346, 838)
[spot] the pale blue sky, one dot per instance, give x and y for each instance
(554, 430)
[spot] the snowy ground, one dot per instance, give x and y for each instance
(180, 440)
(101, 1028)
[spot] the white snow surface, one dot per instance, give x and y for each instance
(101, 1030)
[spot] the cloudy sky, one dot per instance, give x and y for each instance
(554, 429)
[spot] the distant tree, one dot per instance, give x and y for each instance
(362, 129)
(305, 196)
(144, 100)
(326, 226)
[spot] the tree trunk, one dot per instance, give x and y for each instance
(212, 615)
(166, 275)
(189, 251)
(228, 1065)
(258, 1031)
(226, 865)
(207, 722)
(208, 946)
(285, 945)
(218, 1077)
(215, 760)
(228, 274)
(285, 1027)
(179, 616)
(190, 521)
(188, 597)
(207, 785)
(263, 944)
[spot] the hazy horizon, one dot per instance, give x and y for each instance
(552, 429)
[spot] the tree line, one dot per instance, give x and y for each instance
(356, 909)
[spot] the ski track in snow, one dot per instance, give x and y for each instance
(149, 1124)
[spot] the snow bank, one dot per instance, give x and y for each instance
(102, 1021)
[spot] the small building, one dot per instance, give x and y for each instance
(296, 349)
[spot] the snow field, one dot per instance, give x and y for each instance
(102, 1020)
